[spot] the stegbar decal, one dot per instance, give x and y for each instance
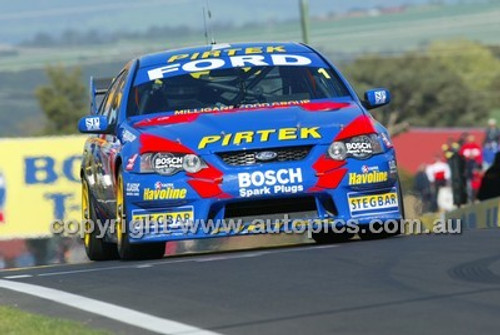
(164, 217)
(360, 204)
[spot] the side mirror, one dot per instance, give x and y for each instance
(376, 97)
(93, 125)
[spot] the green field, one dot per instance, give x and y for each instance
(341, 39)
(16, 322)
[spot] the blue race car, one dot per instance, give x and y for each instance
(205, 142)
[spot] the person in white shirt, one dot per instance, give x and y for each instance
(439, 175)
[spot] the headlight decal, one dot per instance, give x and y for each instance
(168, 164)
(360, 147)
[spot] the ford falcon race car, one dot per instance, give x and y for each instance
(185, 141)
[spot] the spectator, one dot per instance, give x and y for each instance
(475, 183)
(462, 139)
(450, 148)
(490, 184)
(492, 133)
(422, 187)
(473, 155)
(438, 174)
(489, 152)
(472, 151)
(490, 144)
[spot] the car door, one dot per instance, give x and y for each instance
(106, 147)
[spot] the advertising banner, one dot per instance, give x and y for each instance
(39, 183)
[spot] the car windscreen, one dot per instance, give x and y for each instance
(234, 87)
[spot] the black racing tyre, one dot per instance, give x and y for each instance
(394, 226)
(401, 201)
(96, 248)
(127, 250)
(331, 237)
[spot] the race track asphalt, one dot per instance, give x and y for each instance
(404, 285)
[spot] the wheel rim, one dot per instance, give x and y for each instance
(85, 213)
(120, 215)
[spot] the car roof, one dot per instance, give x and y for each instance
(162, 57)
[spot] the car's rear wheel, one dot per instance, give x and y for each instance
(127, 250)
(96, 248)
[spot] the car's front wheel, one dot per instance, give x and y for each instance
(331, 237)
(127, 250)
(388, 229)
(96, 248)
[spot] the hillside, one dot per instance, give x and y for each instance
(342, 39)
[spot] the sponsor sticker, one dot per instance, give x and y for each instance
(368, 177)
(263, 135)
(380, 97)
(243, 106)
(131, 162)
(164, 193)
(132, 189)
(393, 168)
(360, 204)
(227, 50)
(163, 218)
(386, 140)
(366, 168)
(127, 136)
(209, 64)
(360, 146)
(167, 163)
(270, 182)
(92, 123)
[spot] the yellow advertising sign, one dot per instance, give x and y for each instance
(39, 183)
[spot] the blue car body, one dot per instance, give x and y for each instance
(261, 160)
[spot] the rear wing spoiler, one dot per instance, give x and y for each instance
(98, 89)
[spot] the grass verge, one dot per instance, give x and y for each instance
(14, 321)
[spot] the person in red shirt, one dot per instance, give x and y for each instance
(473, 155)
(472, 151)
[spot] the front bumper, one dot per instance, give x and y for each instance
(313, 188)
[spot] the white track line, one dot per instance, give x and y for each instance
(195, 258)
(18, 276)
(111, 311)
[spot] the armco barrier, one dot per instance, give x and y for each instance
(478, 215)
